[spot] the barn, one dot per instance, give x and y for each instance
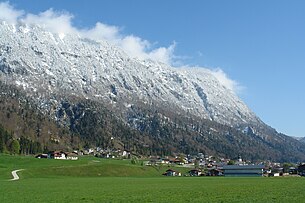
(243, 170)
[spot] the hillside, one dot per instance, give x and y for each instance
(87, 166)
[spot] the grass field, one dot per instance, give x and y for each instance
(92, 180)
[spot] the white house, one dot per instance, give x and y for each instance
(57, 155)
(71, 156)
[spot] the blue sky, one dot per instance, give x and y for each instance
(260, 44)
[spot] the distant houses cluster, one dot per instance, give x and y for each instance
(209, 167)
(58, 155)
(227, 170)
(98, 152)
(240, 170)
(199, 165)
(194, 172)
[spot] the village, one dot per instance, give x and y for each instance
(198, 165)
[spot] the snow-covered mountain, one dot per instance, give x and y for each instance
(96, 92)
(46, 63)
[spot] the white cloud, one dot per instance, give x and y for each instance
(8, 13)
(133, 45)
(163, 54)
(56, 22)
(140, 48)
(102, 32)
(224, 80)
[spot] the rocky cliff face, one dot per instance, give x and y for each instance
(186, 105)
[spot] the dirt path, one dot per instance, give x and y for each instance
(14, 174)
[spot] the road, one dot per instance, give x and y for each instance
(15, 175)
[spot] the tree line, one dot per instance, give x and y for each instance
(22, 145)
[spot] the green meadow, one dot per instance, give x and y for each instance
(99, 180)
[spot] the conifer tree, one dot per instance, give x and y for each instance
(15, 147)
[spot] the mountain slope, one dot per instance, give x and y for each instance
(43, 62)
(98, 92)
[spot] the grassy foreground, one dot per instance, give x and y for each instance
(65, 181)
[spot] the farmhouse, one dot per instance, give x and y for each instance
(171, 172)
(195, 172)
(57, 155)
(243, 170)
(71, 156)
(179, 161)
(277, 171)
(214, 172)
(62, 155)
